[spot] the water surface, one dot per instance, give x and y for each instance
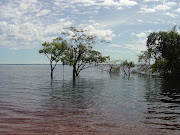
(95, 103)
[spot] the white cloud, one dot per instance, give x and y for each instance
(85, 2)
(116, 51)
(115, 45)
(177, 10)
(135, 45)
(165, 6)
(100, 33)
(92, 21)
(3, 26)
(149, 31)
(43, 12)
(105, 3)
(22, 34)
(138, 46)
(171, 14)
(153, 0)
(140, 21)
(161, 7)
(119, 4)
(145, 9)
(16, 9)
(22, 21)
(21, 29)
(57, 28)
(140, 35)
(127, 3)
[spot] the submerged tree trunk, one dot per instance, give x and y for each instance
(74, 71)
(51, 70)
(129, 73)
(51, 74)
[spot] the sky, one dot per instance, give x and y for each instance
(26, 24)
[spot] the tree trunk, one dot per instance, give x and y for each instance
(51, 74)
(51, 70)
(77, 74)
(125, 71)
(74, 71)
(129, 72)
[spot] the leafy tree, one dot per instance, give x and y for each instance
(114, 67)
(80, 52)
(145, 59)
(54, 51)
(127, 66)
(166, 50)
(159, 65)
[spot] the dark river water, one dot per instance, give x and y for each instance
(96, 103)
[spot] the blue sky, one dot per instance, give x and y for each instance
(26, 24)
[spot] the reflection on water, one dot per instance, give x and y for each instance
(94, 103)
(164, 104)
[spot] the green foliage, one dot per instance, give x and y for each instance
(145, 59)
(145, 56)
(114, 66)
(159, 66)
(127, 66)
(80, 52)
(55, 52)
(166, 50)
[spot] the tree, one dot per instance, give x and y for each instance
(127, 66)
(166, 50)
(54, 51)
(159, 65)
(145, 59)
(80, 52)
(113, 66)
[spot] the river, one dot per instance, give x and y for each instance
(95, 103)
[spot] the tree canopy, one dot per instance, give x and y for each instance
(166, 51)
(145, 59)
(127, 66)
(80, 53)
(55, 52)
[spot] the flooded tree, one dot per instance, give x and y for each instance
(114, 67)
(145, 60)
(166, 51)
(80, 54)
(55, 52)
(127, 67)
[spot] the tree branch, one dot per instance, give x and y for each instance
(79, 70)
(54, 66)
(47, 56)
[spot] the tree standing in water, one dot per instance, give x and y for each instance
(80, 52)
(165, 46)
(54, 51)
(145, 59)
(127, 66)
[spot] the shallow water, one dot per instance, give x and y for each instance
(95, 103)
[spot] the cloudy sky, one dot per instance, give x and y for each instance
(26, 24)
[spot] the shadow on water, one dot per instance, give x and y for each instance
(163, 98)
